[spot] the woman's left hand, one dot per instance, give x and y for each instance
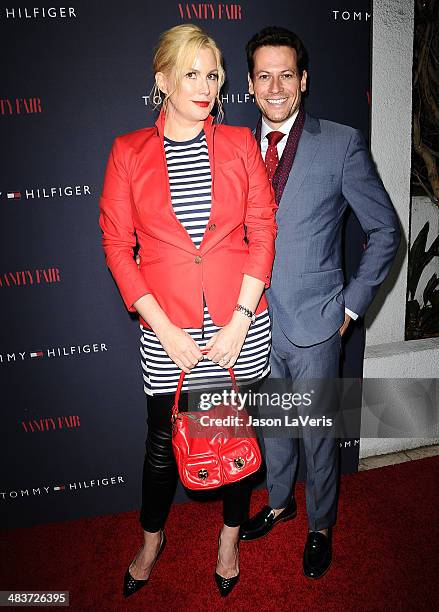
(226, 344)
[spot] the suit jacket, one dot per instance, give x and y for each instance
(239, 238)
(308, 294)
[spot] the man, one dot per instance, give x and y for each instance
(323, 167)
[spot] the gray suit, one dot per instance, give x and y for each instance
(307, 297)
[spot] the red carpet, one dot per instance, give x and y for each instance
(386, 551)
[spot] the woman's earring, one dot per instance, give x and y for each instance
(219, 111)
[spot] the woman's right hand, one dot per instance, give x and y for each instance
(180, 347)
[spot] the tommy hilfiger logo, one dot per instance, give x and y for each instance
(351, 15)
(59, 12)
(349, 443)
(46, 192)
(229, 98)
(61, 488)
(57, 351)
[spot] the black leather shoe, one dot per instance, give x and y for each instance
(130, 584)
(264, 521)
(317, 555)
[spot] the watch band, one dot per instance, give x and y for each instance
(246, 311)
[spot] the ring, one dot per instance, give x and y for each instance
(222, 360)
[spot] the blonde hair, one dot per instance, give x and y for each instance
(175, 52)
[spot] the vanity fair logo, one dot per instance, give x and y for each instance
(37, 276)
(228, 98)
(52, 352)
(37, 193)
(68, 487)
(51, 423)
(53, 12)
(210, 10)
(20, 106)
(351, 15)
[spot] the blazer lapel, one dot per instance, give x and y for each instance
(181, 238)
(209, 237)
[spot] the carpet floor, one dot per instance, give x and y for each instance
(385, 554)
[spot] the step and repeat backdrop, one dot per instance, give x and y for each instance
(74, 76)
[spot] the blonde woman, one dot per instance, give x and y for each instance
(196, 196)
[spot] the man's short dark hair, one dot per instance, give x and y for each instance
(277, 37)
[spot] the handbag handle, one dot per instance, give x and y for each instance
(180, 385)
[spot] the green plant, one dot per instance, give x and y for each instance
(422, 321)
(425, 151)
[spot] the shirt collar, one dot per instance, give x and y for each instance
(285, 127)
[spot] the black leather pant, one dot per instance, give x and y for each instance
(160, 474)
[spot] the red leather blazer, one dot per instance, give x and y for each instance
(136, 200)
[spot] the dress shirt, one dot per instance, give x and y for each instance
(285, 129)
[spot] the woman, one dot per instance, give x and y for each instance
(197, 197)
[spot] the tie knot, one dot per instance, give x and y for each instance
(274, 137)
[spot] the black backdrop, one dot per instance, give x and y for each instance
(73, 410)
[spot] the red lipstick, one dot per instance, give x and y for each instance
(201, 103)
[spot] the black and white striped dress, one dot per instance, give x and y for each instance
(190, 183)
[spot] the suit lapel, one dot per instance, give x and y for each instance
(306, 151)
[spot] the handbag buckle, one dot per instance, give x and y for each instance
(239, 462)
(203, 474)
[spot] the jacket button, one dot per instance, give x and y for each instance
(197, 259)
(212, 227)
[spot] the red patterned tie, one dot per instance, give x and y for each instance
(271, 156)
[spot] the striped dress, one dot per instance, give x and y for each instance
(190, 184)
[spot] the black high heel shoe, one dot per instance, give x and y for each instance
(132, 585)
(225, 585)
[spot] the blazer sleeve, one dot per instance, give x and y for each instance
(116, 223)
(260, 216)
(365, 193)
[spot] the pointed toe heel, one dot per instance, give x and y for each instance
(225, 585)
(132, 585)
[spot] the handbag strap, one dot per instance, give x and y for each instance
(180, 385)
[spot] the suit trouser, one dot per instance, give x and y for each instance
(160, 474)
(289, 361)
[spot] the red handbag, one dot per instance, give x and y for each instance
(211, 456)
